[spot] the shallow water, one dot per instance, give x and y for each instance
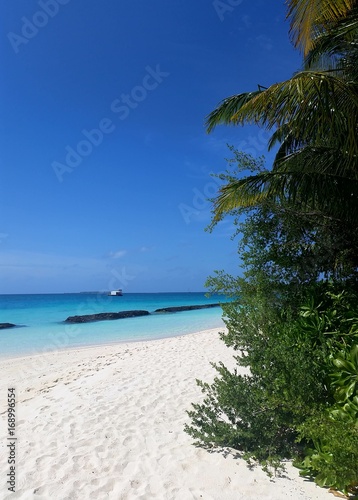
(43, 329)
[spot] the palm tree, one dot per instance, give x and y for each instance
(313, 117)
(311, 18)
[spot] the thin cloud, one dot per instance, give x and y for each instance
(118, 255)
(145, 249)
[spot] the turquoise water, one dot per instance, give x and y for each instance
(42, 329)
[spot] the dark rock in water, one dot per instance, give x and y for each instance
(185, 308)
(87, 318)
(6, 325)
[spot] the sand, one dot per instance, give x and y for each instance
(107, 422)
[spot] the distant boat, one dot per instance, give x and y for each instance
(116, 293)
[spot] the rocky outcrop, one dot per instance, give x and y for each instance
(88, 318)
(184, 308)
(6, 325)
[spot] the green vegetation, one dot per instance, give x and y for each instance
(294, 320)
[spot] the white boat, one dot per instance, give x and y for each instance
(116, 293)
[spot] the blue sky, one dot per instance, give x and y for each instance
(104, 159)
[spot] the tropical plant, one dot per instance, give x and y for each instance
(332, 458)
(310, 18)
(299, 399)
(294, 320)
(313, 117)
(293, 247)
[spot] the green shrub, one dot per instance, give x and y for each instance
(333, 459)
(299, 399)
(294, 326)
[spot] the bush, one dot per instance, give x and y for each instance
(293, 322)
(300, 399)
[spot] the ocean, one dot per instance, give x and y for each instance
(41, 328)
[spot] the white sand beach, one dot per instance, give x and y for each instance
(107, 422)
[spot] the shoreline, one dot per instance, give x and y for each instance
(37, 339)
(107, 422)
(55, 351)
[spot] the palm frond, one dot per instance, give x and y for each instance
(334, 196)
(314, 104)
(228, 108)
(336, 43)
(323, 160)
(285, 138)
(320, 178)
(313, 116)
(308, 18)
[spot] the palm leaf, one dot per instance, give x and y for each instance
(308, 18)
(228, 107)
(318, 178)
(313, 104)
(313, 117)
(336, 43)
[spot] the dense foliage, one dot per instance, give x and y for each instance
(313, 118)
(294, 324)
(294, 317)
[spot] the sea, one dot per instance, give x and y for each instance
(41, 327)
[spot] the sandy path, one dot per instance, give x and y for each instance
(107, 422)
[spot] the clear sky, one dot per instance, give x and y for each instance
(104, 159)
